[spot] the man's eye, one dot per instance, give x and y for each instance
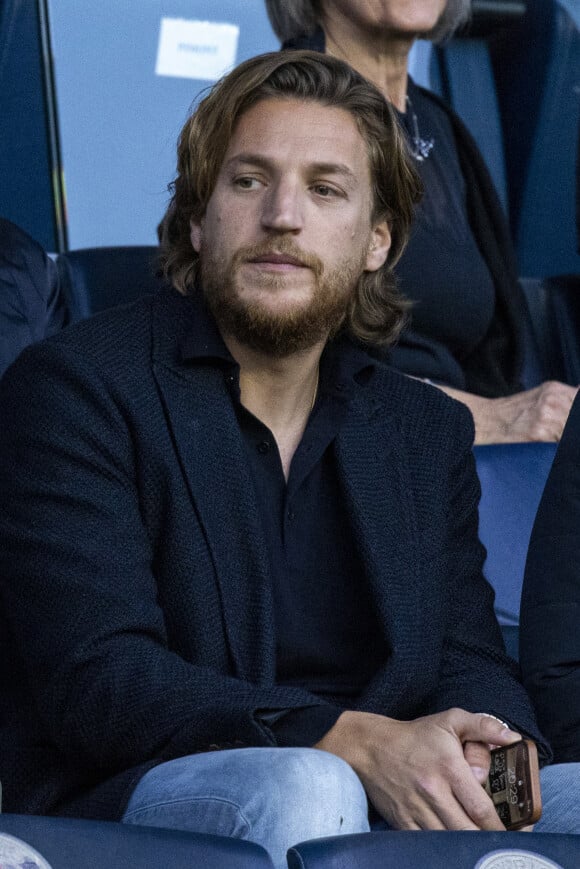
(324, 190)
(246, 183)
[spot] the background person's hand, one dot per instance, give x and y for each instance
(416, 773)
(537, 414)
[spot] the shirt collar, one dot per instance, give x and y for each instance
(203, 341)
(344, 364)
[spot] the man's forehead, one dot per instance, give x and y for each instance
(326, 135)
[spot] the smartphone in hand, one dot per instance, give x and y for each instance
(514, 784)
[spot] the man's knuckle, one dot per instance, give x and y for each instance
(483, 814)
(546, 416)
(429, 785)
(543, 408)
(538, 431)
(454, 714)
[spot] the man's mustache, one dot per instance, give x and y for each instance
(279, 247)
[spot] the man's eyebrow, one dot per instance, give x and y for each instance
(249, 160)
(335, 169)
(323, 167)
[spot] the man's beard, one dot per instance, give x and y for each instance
(278, 333)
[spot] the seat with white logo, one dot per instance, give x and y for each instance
(458, 850)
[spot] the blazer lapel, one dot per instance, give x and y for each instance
(210, 450)
(375, 470)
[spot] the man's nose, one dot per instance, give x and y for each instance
(283, 208)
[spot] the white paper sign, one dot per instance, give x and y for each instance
(196, 49)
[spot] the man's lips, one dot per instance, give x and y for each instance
(283, 260)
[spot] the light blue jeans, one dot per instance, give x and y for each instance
(560, 799)
(280, 796)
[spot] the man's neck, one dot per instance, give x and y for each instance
(381, 58)
(279, 392)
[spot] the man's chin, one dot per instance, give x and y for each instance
(277, 319)
(280, 299)
(274, 331)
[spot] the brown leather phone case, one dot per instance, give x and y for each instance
(514, 784)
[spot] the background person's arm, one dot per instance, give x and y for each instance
(537, 414)
(550, 607)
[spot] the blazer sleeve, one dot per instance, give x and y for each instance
(82, 632)
(476, 674)
(550, 608)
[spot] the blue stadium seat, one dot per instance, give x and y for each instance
(71, 844)
(97, 278)
(461, 72)
(537, 68)
(512, 478)
(420, 850)
(31, 189)
(469, 87)
(123, 92)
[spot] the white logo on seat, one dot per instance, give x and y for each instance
(513, 859)
(16, 854)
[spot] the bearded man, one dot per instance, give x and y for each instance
(241, 582)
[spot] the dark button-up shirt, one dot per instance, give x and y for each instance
(327, 636)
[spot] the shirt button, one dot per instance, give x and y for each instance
(263, 447)
(291, 515)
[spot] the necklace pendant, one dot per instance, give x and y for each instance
(421, 148)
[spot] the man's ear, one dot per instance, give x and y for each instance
(196, 234)
(379, 247)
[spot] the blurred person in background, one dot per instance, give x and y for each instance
(31, 304)
(459, 268)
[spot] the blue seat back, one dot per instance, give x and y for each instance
(70, 844)
(94, 279)
(30, 181)
(418, 850)
(537, 67)
(512, 478)
(424, 66)
(469, 87)
(460, 72)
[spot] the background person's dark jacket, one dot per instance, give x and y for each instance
(31, 305)
(550, 608)
(136, 617)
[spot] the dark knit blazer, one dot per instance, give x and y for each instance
(136, 616)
